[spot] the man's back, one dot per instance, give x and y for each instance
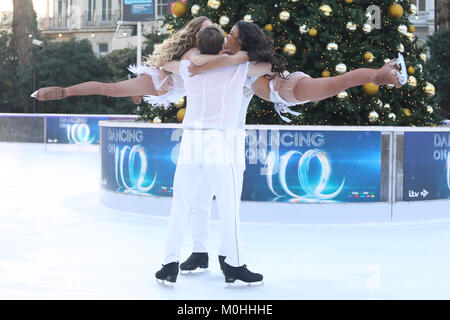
(214, 98)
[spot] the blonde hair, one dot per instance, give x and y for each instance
(174, 47)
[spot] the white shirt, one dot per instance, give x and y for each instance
(215, 97)
(246, 98)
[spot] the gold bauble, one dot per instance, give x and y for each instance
(326, 10)
(157, 120)
(180, 103)
(284, 16)
(413, 9)
(342, 95)
(392, 116)
(400, 48)
(348, 1)
(180, 114)
(402, 29)
(411, 28)
(395, 11)
(248, 18)
(373, 116)
(214, 4)
(303, 29)
(325, 73)
(351, 26)
(429, 90)
(412, 81)
(268, 27)
(430, 109)
(341, 68)
(179, 9)
(195, 9)
(411, 70)
(332, 46)
(423, 56)
(370, 88)
(406, 112)
(290, 49)
(224, 20)
(312, 32)
(368, 56)
(367, 28)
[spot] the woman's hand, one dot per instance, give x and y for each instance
(278, 82)
(195, 70)
(241, 56)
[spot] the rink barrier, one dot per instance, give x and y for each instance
(78, 129)
(126, 190)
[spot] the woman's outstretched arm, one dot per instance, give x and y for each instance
(139, 86)
(311, 89)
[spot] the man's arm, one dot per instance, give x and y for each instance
(219, 61)
(222, 60)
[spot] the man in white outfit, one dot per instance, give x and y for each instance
(201, 209)
(210, 151)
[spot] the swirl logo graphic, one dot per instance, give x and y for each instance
(131, 169)
(79, 134)
(312, 189)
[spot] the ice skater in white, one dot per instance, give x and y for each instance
(211, 155)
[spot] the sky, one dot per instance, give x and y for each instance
(39, 6)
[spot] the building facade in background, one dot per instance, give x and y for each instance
(99, 21)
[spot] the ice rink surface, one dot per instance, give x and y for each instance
(57, 241)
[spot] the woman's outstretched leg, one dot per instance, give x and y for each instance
(139, 86)
(316, 89)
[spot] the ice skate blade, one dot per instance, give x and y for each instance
(403, 76)
(166, 283)
(197, 271)
(239, 284)
(34, 94)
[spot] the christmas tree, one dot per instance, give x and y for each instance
(327, 38)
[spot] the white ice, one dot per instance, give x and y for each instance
(58, 242)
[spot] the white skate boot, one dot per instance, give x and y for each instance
(403, 75)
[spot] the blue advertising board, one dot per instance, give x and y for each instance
(76, 129)
(426, 171)
(281, 165)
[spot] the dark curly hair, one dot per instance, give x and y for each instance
(258, 46)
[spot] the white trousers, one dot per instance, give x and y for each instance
(211, 162)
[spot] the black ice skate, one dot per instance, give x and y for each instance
(221, 261)
(197, 260)
(241, 276)
(167, 276)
